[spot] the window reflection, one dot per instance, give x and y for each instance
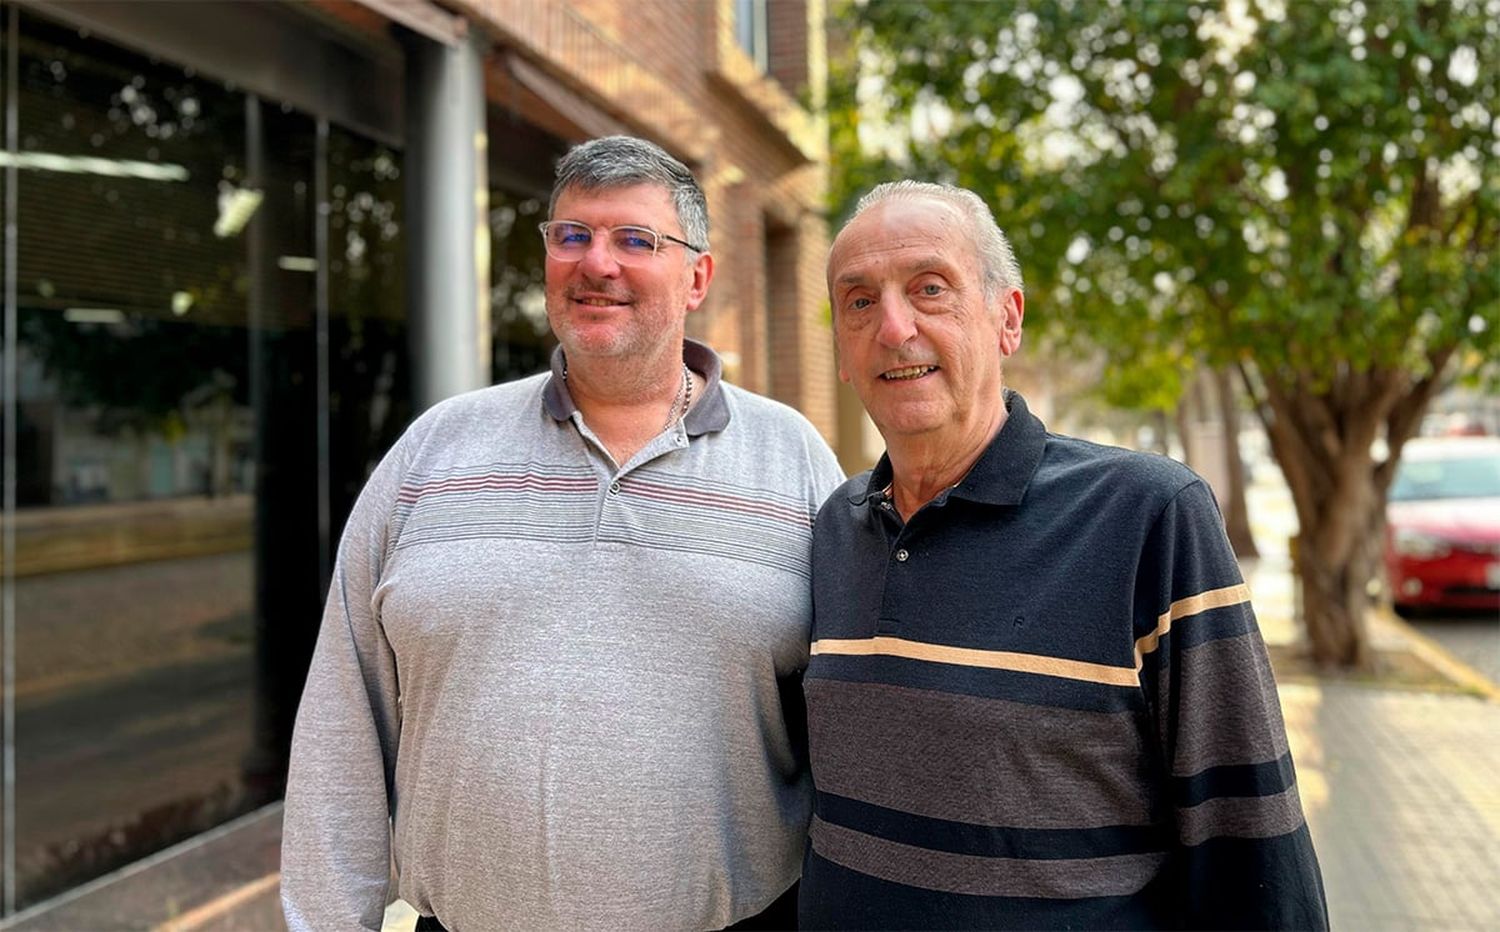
(151, 348)
(521, 341)
(169, 452)
(369, 401)
(135, 464)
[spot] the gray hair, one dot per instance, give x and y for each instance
(997, 261)
(623, 161)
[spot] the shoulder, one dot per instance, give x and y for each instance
(496, 407)
(766, 419)
(1082, 466)
(779, 440)
(469, 425)
(501, 400)
(843, 500)
(764, 414)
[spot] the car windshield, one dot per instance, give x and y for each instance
(1456, 477)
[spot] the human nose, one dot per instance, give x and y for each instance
(897, 322)
(599, 259)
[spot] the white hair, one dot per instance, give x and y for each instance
(997, 261)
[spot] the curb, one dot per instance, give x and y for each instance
(1437, 655)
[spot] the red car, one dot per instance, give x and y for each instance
(1442, 538)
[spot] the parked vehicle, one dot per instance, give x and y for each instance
(1442, 539)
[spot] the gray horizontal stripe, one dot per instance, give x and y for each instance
(1241, 817)
(1118, 875)
(790, 561)
(1228, 711)
(978, 760)
(498, 470)
(498, 532)
(703, 484)
(707, 520)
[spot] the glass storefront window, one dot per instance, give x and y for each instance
(369, 394)
(135, 459)
(521, 341)
(523, 159)
(188, 442)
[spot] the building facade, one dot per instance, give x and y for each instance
(244, 243)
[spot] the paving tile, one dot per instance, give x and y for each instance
(1406, 816)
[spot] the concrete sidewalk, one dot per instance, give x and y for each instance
(1398, 783)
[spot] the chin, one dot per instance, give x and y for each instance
(591, 339)
(908, 425)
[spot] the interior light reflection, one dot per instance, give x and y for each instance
(94, 315)
(92, 165)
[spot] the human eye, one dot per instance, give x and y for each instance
(930, 288)
(570, 235)
(637, 241)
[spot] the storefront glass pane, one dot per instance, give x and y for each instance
(282, 265)
(369, 392)
(6, 103)
(143, 409)
(521, 341)
(523, 160)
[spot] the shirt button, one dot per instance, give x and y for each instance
(614, 487)
(901, 555)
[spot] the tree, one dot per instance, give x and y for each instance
(1301, 191)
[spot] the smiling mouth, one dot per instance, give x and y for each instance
(910, 372)
(600, 302)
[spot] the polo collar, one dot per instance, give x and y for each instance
(1002, 472)
(709, 414)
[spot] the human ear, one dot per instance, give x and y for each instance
(703, 273)
(1012, 311)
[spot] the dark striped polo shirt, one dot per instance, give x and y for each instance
(1043, 702)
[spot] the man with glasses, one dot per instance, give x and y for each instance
(558, 679)
(1037, 697)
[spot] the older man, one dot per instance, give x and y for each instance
(558, 672)
(1038, 697)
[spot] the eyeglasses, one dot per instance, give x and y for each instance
(567, 241)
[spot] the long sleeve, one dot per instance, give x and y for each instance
(335, 856)
(1244, 855)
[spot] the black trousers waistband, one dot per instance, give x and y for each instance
(781, 914)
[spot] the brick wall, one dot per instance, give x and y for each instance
(786, 44)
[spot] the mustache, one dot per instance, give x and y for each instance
(608, 290)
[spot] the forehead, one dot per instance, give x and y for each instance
(648, 204)
(897, 237)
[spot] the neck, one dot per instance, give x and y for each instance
(627, 402)
(923, 466)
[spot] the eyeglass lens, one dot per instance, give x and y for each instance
(572, 240)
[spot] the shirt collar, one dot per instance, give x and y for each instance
(710, 413)
(1002, 472)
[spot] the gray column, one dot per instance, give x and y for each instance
(447, 225)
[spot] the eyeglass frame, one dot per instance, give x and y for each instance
(607, 230)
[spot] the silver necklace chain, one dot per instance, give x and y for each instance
(684, 396)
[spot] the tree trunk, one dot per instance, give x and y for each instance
(1236, 512)
(1322, 429)
(1339, 533)
(1335, 601)
(1322, 441)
